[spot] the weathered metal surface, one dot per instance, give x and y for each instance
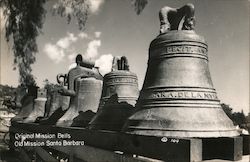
(27, 107)
(112, 116)
(88, 99)
(84, 69)
(26, 104)
(170, 18)
(55, 102)
(39, 106)
(122, 83)
(88, 94)
(119, 95)
(178, 98)
(83, 72)
(55, 105)
(84, 89)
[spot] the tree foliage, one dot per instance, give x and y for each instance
(78, 9)
(238, 118)
(49, 86)
(139, 5)
(24, 21)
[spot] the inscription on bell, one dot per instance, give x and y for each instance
(122, 80)
(186, 49)
(183, 94)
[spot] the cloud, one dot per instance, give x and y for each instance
(66, 41)
(72, 56)
(83, 35)
(92, 50)
(71, 66)
(104, 63)
(95, 5)
(98, 34)
(65, 45)
(54, 53)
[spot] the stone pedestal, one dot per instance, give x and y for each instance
(226, 148)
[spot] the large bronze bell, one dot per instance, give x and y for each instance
(55, 107)
(178, 98)
(27, 103)
(119, 95)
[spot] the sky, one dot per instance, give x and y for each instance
(114, 29)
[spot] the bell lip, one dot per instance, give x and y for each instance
(185, 134)
(120, 73)
(178, 35)
(140, 123)
(165, 132)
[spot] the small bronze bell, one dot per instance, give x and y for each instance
(27, 103)
(39, 107)
(84, 89)
(56, 107)
(119, 95)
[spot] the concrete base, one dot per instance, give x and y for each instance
(246, 144)
(226, 148)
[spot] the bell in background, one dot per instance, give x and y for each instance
(83, 80)
(63, 99)
(178, 98)
(39, 106)
(57, 106)
(26, 104)
(119, 95)
(121, 82)
(88, 94)
(54, 102)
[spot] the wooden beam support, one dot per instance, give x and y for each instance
(168, 149)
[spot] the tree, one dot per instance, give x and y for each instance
(49, 86)
(238, 118)
(24, 23)
(139, 5)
